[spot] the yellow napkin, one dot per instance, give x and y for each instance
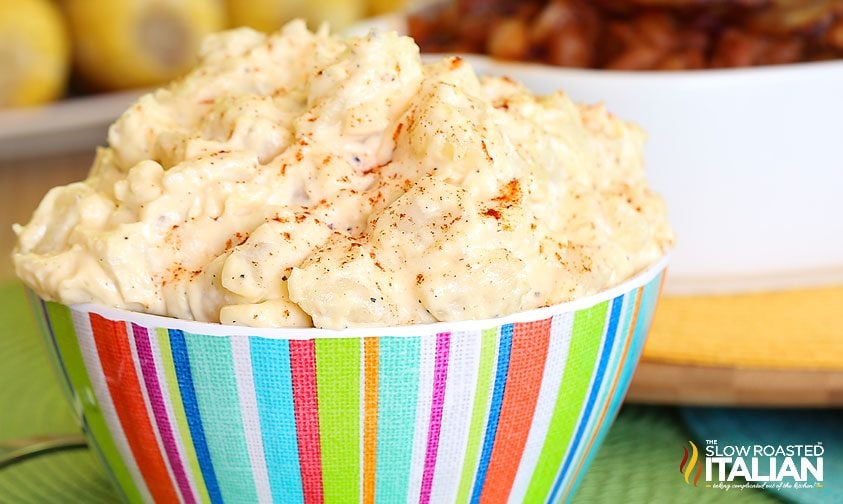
(798, 329)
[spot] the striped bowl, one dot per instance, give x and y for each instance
(500, 410)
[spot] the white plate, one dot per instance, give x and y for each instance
(749, 161)
(75, 124)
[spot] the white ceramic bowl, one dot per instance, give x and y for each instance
(69, 125)
(749, 161)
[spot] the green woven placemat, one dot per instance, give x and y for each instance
(32, 404)
(638, 462)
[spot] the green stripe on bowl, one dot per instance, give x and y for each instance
(582, 355)
(483, 392)
(338, 390)
(64, 336)
(163, 337)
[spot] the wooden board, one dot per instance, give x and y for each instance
(23, 183)
(664, 383)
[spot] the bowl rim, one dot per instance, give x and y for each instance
(798, 70)
(640, 279)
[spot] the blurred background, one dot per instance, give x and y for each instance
(54, 49)
(742, 100)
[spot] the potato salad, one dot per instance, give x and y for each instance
(303, 179)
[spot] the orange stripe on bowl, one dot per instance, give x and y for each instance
(370, 418)
(530, 343)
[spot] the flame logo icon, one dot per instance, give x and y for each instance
(688, 469)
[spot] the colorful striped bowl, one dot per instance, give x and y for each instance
(500, 410)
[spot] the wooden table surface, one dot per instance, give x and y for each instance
(22, 185)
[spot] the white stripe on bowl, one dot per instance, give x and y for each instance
(463, 364)
(241, 355)
(85, 337)
(427, 363)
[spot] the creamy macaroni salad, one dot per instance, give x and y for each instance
(302, 179)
